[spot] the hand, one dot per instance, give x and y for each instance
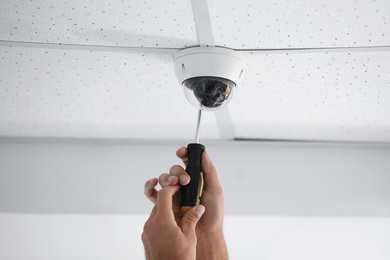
(211, 243)
(163, 237)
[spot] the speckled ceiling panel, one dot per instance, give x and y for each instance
(53, 93)
(329, 96)
(157, 23)
(253, 24)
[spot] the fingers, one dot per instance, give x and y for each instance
(176, 175)
(210, 174)
(164, 201)
(191, 218)
(182, 154)
(166, 179)
(180, 173)
(150, 191)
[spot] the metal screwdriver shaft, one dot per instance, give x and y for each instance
(197, 127)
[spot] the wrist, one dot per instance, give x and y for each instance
(211, 246)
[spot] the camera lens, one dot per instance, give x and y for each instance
(210, 92)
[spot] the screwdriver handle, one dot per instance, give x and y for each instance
(192, 192)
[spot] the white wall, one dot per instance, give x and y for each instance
(102, 236)
(258, 178)
(282, 200)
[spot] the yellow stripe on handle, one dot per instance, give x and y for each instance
(201, 187)
(186, 208)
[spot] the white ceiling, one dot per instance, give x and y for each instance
(125, 23)
(252, 24)
(56, 93)
(307, 96)
(321, 96)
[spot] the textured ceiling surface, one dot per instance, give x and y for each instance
(162, 23)
(307, 96)
(251, 24)
(94, 94)
(331, 96)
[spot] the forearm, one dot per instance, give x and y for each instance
(211, 248)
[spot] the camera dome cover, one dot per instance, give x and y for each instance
(208, 93)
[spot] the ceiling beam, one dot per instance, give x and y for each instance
(80, 47)
(315, 50)
(204, 29)
(205, 34)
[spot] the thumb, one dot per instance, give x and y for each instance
(191, 218)
(210, 174)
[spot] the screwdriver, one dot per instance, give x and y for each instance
(192, 192)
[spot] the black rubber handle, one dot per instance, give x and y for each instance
(192, 192)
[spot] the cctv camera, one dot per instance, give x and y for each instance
(209, 92)
(209, 75)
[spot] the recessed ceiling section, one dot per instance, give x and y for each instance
(253, 24)
(157, 23)
(329, 96)
(81, 94)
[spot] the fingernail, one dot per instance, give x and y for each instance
(199, 210)
(170, 179)
(183, 178)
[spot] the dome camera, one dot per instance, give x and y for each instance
(209, 75)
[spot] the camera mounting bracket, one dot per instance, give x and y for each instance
(209, 62)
